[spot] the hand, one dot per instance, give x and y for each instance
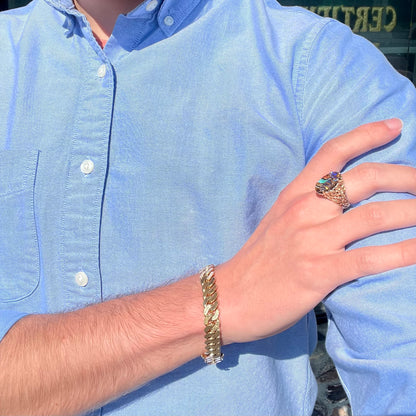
(297, 254)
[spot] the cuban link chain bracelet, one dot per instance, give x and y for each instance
(212, 354)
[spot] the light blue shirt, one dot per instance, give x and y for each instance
(125, 168)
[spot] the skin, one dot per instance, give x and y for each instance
(68, 363)
(102, 15)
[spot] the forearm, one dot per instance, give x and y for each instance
(69, 363)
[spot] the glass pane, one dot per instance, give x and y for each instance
(17, 3)
(389, 24)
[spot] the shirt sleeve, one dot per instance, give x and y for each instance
(372, 333)
(7, 319)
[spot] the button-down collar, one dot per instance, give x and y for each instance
(63, 5)
(170, 15)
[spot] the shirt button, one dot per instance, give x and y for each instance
(169, 20)
(87, 166)
(151, 5)
(102, 70)
(81, 279)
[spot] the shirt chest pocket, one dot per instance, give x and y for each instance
(19, 252)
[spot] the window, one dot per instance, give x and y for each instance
(11, 4)
(389, 24)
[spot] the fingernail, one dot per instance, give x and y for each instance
(394, 124)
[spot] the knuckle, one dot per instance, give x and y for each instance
(366, 130)
(333, 147)
(412, 173)
(367, 262)
(300, 209)
(373, 215)
(368, 172)
(308, 269)
(371, 132)
(407, 254)
(285, 195)
(407, 174)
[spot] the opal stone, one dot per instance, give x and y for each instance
(328, 182)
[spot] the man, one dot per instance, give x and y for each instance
(143, 142)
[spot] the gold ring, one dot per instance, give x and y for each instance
(331, 187)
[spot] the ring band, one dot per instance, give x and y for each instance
(331, 187)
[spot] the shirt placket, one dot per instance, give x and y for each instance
(85, 183)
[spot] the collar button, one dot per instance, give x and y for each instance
(168, 20)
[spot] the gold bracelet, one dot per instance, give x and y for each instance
(212, 353)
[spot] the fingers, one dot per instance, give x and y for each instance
(367, 179)
(362, 182)
(335, 153)
(366, 261)
(370, 219)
